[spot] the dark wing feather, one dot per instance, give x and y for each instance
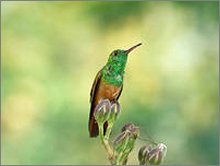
(94, 85)
(93, 127)
(119, 94)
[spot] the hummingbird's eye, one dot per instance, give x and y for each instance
(115, 53)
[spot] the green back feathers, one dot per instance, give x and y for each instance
(113, 71)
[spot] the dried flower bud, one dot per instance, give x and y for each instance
(157, 155)
(131, 128)
(123, 145)
(125, 141)
(102, 111)
(115, 110)
(121, 141)
(142, 153)
(152, 156)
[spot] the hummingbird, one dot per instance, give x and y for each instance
(108, 84)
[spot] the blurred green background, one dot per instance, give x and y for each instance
(51, 52)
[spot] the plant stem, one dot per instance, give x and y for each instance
(108, 132)
(105, 143)
(118, 159)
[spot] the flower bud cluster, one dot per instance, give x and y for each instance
(106, 111)
(148, 155)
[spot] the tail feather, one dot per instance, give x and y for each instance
(93, 127)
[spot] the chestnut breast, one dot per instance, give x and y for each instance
(106, 91)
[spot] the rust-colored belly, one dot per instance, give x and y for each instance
(106, 91)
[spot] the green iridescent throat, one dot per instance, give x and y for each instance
(113, 71)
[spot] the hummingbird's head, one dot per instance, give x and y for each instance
(114, 69)
(120, 56)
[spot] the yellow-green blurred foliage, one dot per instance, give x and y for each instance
(51, 52)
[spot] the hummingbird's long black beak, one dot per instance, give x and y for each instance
(132, 48)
